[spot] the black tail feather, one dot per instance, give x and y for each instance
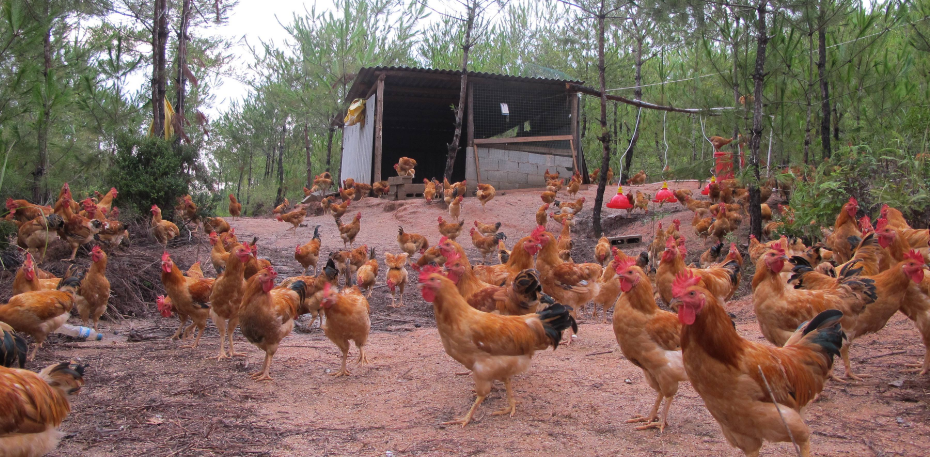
(556, 319)
(301, 288)
(830, 334)
(13, 349)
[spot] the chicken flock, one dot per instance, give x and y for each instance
(811, 302)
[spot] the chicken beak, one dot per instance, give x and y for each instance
(674, 304)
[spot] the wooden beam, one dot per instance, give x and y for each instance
(471, 130)
(379, 120)
(616, 98)
(524, 139)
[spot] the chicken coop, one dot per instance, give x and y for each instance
(514, 128)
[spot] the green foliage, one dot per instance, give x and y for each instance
(151, 171)
(7, 232)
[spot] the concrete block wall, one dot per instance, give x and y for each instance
(513, 169)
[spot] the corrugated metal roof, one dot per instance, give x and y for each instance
(413, 77)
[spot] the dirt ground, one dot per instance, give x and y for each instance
(150, 397)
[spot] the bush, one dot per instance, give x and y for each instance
(151, 170)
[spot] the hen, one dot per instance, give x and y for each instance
(721, 280)
(485, 193)
(235, 208)
(451, 230)
(91, 302)
(189, 297)
(602, 251)
(34, 405)
(39, 313)
(347, 318)
(380, 188)
(405, 166)
(844, 227)
(754, 391)
(164, 231)
(411, 243)
(307, 255)
(367, 274)
(492, 347)
(486, 245)
(455, 208)
(267, 315)
(487, 229)
(226, 297)
(12, 347)
(349, 231)
(429, 191)
(36, 234)
(396, 276)
(295, 218)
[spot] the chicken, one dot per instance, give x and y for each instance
(295, 218)
(235, 208)
(521, 258)
(90, 210)
(36, 234)
(780, 308)
(267, 315)
(894, 217)
(571, 284)
(309, 254)
(91, 302)
(367, 274)
(164, 231)
(574, 185)
(338, 210)
(429, 191)
(323, 181)
(396, 276)
(710, 256)
(431, 255)
(485, 193)
(486, 244)
(451, 230)
(380, 188)
(34, 406)
(215, 224)
(39, 313)
(721, 226)
(594, 174)
(113, 232)
(411, 243)
(492, 347)
(554, 186)
(227, 295)
(844, 227)
(355, 259)
(542, 217)
(79, 231)
(23, 211)
(27, 278)
(521, 297)
(752, 390)
(572, 207)
(503, 254)
(12, 347)
(255, 264)
(347, 318)
(282, 208)
(722, 280)
(650, 338)
(642, 202)
(347, 193)
(547, 197)
(362, 190)
(106, 203)
(719, 142)
(405, 166)
(218, 254)
(189, 297)
(455, 208)
(562, 218)
(550, 176)
(638, 179)
(602, 251)
(487, 229)
(349, 231)
(187, 209)
(657, 246)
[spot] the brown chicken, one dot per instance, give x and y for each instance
(638, 179)
(255, 264)
(347, 318)
(486, 245)
(349, 231)
(642, 202)
(754, 391)
(396, 276)
(542, 216)
(547, 197)
(719, 142)
(555, 186)
(295, 218)
(521, 297)
(367, 274)
(650, 338)
(79, 231)
(721, 280)
(164, 231)
(215, 224)
(34, 406)
(492, 347)
(362, 190)
(91, 302)
(710, 256)
(218, 254)
(187, 209)
(23, 211)
(39, 313)
(113, 232)
(338, 210)
(574, 185)
(550, 176)
(35, 235)
(429, 191)
(235, 208)
(347, 193)
(844, 227)
(27, 278)
(227, 296)
(267, 315)
(324, 181)
(282, 208)
(521, 258)
(602, 251)
(411, 243)
(380, 188)
(485, 193)
(405, 166)
(486, 229)
(189, 297)
(455, 208)
(450, 229)
(309, 254)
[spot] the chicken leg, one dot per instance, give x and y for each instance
(345, 356)
(511, 401)
(263, 375)
(652, 414)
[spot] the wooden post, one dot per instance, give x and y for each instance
(471, 129)
(575, 156)
(575, 140)
(379, 114)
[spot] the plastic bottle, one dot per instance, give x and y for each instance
(79, 332)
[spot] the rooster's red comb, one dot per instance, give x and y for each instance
(881, 224)
(683, 281)
(853, 201)
(538, 231)
(670, 243)
(620, 265)
(428, 270)
(915, 256)
(778, 248)
(165, 257)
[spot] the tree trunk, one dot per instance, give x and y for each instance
(39, 183)
(808, 96)
(159, 44)
(280, 196)
(755, 210)
(248, 188)
(463, 88)
(605, 134)
(329, 146)
(736, 103)
(637, 95)
(239, 184)
(824, 91)
(307, 150)
(182, 57)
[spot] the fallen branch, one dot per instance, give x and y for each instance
(641, 104)
(599, 353)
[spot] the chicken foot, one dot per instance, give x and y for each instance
(263, 375)
(345, 356)
(511, 401)
(652, 414)
(471, 412)
(197, 338)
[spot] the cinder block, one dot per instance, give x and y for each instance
(482, 153)
(536, 180)
(490, 164)
(510, 165)
(517, 178)
(500, 176)
(528, 168)
(539, 159)
(517, 156)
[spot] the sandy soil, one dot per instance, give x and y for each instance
(150, 397)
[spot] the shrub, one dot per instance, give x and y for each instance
(151, 170)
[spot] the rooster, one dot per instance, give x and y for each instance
(450, 230)
(267, 314)
(411, 243)
(492, 347)
(485, 193)
(487, 229)
(754, 391)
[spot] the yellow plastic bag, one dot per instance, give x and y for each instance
(356, 113)
(169, 116)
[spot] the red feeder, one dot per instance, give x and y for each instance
(665, 196)
(706, 191)
(619, 201)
